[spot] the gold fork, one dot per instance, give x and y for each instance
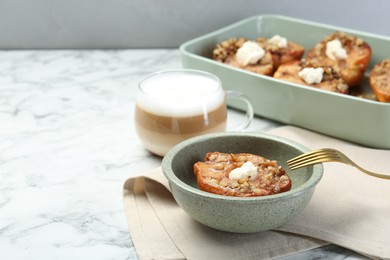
(327, 155)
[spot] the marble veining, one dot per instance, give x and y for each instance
(67, 145)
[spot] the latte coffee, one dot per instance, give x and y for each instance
(172, 107)
(175, 105)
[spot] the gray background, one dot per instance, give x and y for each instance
(65, 24)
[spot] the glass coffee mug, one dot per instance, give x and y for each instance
(175, 105)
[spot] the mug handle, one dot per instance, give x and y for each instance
(249, 109)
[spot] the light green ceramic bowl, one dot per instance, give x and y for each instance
(347, 117)
(237, 214)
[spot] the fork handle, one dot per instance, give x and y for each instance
(374, 174)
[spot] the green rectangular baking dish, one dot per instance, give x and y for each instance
(351, 118)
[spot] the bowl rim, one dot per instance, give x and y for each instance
(173, 179)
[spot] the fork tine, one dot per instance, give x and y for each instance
(313, 157)
(307, 158)
(302, 156)
(311, 154)
(316, 160)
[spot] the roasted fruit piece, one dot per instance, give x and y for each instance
(380, 80)
(281, 49)
(328, 80)
(347, 54)
(226, 52)
(243, 175)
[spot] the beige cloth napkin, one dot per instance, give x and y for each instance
(348, 208)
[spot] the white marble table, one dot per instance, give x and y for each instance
(68, 144)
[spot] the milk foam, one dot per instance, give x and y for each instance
(179, 94)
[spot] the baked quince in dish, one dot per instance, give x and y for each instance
(244, 54)
(310, 73)
(380, 80)
(347, 54)
(281, 49)
(241, 175)
(261, 55)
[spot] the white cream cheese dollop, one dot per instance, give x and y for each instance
(311, 75)
(247, 170)
(279, 41)
(249, 53)
(335, 51)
